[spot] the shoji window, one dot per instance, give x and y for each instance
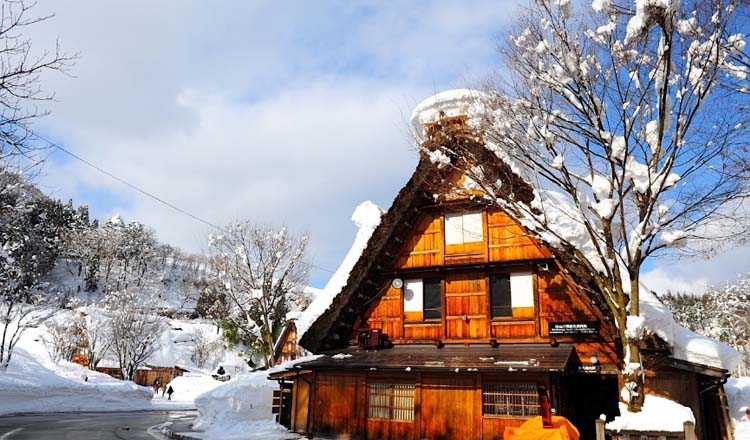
(463, 228)
(391, 401)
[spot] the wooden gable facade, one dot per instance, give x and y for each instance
(456, 323)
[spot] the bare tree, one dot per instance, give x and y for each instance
(208, 347)
(135, 328)
(629, 149)
(64, 337)
(263, 270)
(98, 331)
(21, 69)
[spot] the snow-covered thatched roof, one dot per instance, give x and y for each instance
(367, 217)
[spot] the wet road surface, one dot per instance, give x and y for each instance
(90, 426)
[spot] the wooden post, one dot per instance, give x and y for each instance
(689, 431)
(599, 429)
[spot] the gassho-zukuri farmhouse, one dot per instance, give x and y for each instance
(449, 320)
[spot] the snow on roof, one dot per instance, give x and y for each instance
(658, 414)
(451, 103)
(686, 345)
(367, 218)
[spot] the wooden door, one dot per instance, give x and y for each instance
(466, 307)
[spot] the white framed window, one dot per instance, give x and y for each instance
(463, 228)
(510, 291)
(424, 297)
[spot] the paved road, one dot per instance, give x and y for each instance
(89, 426)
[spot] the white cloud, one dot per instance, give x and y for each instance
(696, 275)
(289, 113)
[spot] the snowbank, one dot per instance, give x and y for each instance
(658, 414)
(33, 383)
(738, 397)
(241, 408)
(190, 386)
(367, 218)
(449, 103)
(245, 399)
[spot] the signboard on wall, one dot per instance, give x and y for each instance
(588, 328)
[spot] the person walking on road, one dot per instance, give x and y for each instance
(169, 392)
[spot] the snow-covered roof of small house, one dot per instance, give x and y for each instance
(442, 105)
(367, 217)
(686, 345)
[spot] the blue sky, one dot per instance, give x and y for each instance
(288, 113)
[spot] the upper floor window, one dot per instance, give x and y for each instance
(512, 295)
(463, 228)
(423, 299)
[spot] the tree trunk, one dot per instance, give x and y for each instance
(633, 377)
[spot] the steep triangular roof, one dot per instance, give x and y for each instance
(332, 328)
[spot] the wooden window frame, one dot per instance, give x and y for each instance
(510, 400)
(439, 282)
(509, 275)
(510, 297)
(384, 402)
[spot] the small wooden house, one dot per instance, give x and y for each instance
(145, 375)
(287, 347)
(456, 321)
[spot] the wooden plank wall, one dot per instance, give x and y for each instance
(388, 314)
(450, 408)
(447, 406)
(425, 246)
(301, 404)
(558, 301)
(508, 241)
(504, 240)
(338, 403)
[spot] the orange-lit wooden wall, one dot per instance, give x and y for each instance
(446, 405)
(466, 300)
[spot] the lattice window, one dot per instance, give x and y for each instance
(391, 401)
(510, 400)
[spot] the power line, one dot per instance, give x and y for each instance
(143, 191)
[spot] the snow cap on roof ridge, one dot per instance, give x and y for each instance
(450, 103)
(367, 217)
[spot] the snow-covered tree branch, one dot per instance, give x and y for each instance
(262, 270)
(620, 118)
(135, 328)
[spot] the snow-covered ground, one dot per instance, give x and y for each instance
(34, 383)
(738, 395)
